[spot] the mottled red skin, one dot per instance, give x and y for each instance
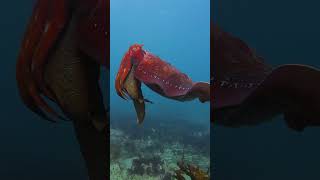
(151, 70)
(157, 74)
(49, 19)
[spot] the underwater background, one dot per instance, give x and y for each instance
(281, 32)
(30, 147)
(178, 32)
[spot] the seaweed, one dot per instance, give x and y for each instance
(194, 172)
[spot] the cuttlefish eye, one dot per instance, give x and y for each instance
(136, 51)
(136, 48)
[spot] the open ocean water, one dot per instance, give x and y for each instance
(178, 32)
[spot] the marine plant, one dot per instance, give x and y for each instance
(194, 172)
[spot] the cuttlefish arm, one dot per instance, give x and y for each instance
(127, 86)
(132, 88)
(46, 25)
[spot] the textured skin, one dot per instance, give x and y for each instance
(29, 84)
(237, 69)
(152, 70)
(74, 79)
(246, 91)
(46, 25)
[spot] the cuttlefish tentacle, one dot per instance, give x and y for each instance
(124, 70)
(73, 77)
(42, 31)
(133, 89)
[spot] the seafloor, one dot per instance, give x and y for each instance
(151, 151)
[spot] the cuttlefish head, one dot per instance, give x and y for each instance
(132, 57)
(127, 86)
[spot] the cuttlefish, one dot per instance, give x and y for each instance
(139, 65)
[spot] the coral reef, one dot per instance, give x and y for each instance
(115, 150)
(152, 166)
(151, 151)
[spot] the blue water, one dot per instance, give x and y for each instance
(176, 31)
(281, 32)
